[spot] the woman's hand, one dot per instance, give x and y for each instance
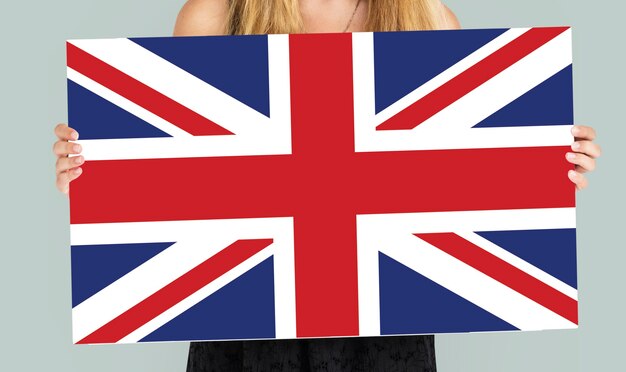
(585, 151)
(68, 168)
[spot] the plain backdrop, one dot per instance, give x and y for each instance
(34, 222)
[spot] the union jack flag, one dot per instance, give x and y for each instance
(322, 185)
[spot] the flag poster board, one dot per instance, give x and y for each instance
(322, 185)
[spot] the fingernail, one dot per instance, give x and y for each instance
(576, 146)
(572, 174)
(76, 148)
(571, 156)
(575, 129)
(77, 171)
(74, 135)
(78, 159)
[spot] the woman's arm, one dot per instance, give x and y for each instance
(202, 18)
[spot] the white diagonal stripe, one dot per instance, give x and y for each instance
(363, 60)
(505, 87)
(255, 133)
(478, 288)
(196, 297)
(176, 83)
(450, 73)
(284, 291)
(436, 132)
(125, 104)
(392, 233)
(196, 241)
(140, 283)
(521, 264)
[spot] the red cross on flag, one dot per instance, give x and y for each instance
(322, 185)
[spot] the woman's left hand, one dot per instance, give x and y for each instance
(583, 155)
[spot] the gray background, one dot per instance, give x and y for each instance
(35, 271)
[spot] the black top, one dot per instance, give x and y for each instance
(397, 353)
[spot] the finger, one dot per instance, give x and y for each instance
(64, 179)
(584, 132)
(588, 148)
(64, 132)
(580, 169)
(63, 148)
(65, 163)
(581, 159)
(578, 179)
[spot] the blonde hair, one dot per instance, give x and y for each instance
(283, 16)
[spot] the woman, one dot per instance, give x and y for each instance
(211, 17)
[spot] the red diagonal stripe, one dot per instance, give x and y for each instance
(470, 79)
(176, 291)
(141, 94)
(505, 273)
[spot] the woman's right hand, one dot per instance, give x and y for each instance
(68, 168)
